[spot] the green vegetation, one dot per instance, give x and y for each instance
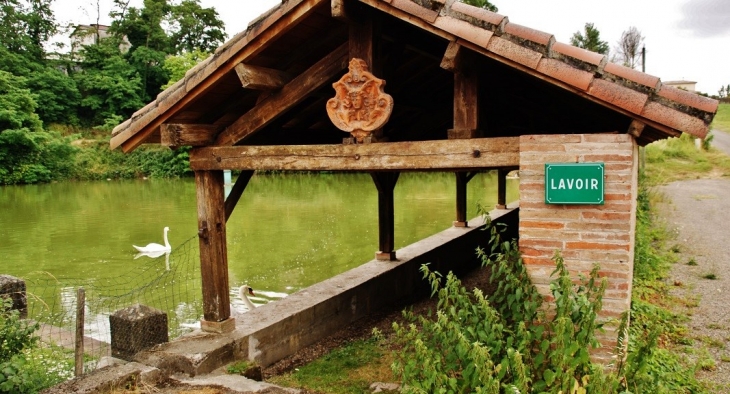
(26, 366)
(590, 39)
(722, 118)
(678, 158)
(348, 369)
(91, 88)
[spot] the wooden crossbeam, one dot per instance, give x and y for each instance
(451, 56)
(187, 134)
(261, 78)
(290, 95)
(464, 154)
(636, 128)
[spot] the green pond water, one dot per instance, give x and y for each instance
(287, 232)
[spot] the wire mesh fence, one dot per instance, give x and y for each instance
(169, 282)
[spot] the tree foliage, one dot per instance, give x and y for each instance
(590, 39)
(629, 48)
(482, 4)
(195, 28)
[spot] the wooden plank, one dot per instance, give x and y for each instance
(636, 128)
(267, 32)
(502, 188)
(466, 95)
(361, 40)
(450, 59)
(423, 155)
(261, 78)
(290, 95)
(462, 179)
(237, 191)
(213, 251)
(188, 134)
(385, 183)
(339, 10)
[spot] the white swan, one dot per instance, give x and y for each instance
(153, 247)
(243, 293)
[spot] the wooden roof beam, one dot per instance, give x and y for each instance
(188, 134)
(476, 153)
(261, 78)
(636, 128)
(290, 95)
(466, 92)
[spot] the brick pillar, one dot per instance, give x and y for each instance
(587, 234)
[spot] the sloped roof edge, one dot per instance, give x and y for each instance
(636, 94)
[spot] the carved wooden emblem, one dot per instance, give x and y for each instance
(360, 105)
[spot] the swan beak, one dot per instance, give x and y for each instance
(250, 291)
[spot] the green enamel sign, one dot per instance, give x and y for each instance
(574, 183)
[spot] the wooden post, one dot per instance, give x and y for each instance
(462, 179)
(501, 189)
(385, 182)
(213, 251)
(79, 345)
(466, 92)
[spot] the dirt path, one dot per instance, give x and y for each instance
(699, 213)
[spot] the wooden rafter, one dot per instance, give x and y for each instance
(237, 192)
(261, 78)
(465, 154)
(187, 134)
(636, 128)
(289, 95)
(263, 35)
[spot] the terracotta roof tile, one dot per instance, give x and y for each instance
(416, 10)
(121, 127)
(534, 39)
(618, 95)
(564, 72)
(675, 119)
(192, 80)
(474, 15)
(632, 75)
(464, 30)
(144, 110)
(514, 52)
(579, 57)
(688, 99)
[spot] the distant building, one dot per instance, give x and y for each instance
(685, 85)
(90, 35)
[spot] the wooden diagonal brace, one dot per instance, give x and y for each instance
(290, 95)
(261, 78)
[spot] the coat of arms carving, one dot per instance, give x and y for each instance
(360, 105)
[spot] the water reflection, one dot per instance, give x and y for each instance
(154, 255)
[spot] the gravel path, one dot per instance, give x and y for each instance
(699, 213)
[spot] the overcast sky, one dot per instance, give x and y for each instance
(685, 39)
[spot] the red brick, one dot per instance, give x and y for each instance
(538, 261)
(534, 243)
(606, 215)
(542, 224)
(609, 138)
(595, 246)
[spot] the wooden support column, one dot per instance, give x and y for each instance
(502, 189)
(385, 182)
(462, 179)
(213, 251)
(237, 191)
(466, 92)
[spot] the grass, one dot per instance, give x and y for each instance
(678, 159)
(709, 275)
(692, 261)
(722, 118)
(348, 369)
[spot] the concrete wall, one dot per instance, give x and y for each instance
(587, 234)
(276, 330)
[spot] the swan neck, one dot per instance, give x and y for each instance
(248, 302)
(167, 244)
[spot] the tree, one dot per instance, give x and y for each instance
(25, 26)
(590, 39)
(195, 28)
(482, 4)
(178, 65)
(629, 47)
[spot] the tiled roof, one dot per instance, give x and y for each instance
(633, 93)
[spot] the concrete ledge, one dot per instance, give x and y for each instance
(276, 330)
(105, 379)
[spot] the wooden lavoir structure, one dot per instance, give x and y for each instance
(468, 89)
